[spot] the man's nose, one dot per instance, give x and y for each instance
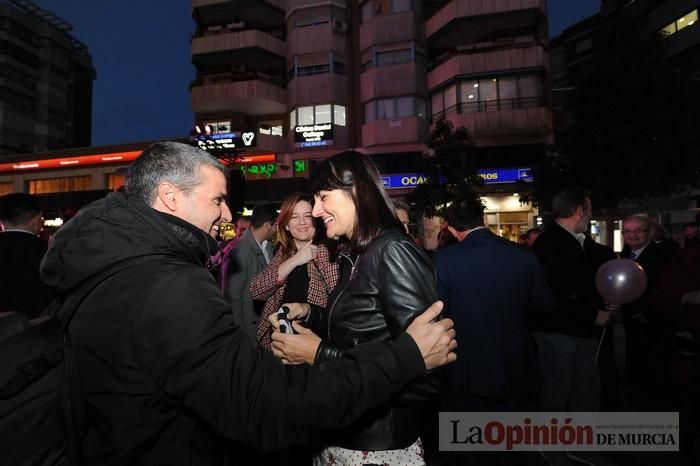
(317, 210)
(226, 215)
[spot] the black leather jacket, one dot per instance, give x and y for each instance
(379, 294)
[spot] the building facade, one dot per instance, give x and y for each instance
(312, 78)
(46, 78)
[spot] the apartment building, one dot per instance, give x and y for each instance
(46, 78)
(312, 78)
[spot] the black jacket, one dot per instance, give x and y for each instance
(21, 290)
(168, 376)
(378, 295)
(570, 271)
(653, 260)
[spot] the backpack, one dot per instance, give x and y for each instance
(42, 412)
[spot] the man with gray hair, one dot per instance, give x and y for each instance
(168, 377)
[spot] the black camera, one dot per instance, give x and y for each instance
(283, 320)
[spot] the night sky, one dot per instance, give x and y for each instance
(141, 51)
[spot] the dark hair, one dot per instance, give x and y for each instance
(358, 176)
(465, 214)
(689, 225)
(536, 231)
(566, 201)
(175, 162)
(262, 214)
(19, 208)
(401, 205)
(284, 238)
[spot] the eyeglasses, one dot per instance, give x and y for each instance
(635, 232)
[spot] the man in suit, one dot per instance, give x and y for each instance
(488, 284)
(247, 259)
(21, 251)
(643, 328)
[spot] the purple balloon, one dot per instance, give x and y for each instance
(620, 281)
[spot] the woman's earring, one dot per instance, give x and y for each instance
(286, 227)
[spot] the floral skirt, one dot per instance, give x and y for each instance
(336, 456)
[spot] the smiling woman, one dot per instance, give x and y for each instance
(300, 271)
(385, 282)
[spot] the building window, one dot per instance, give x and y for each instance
(314, 69)
(216, 127)
(317, 114)
(312, 16)
(271, 128)
(394, 57)
(489, 94)
(115, 181)
(395, 107)
(681, 23)
(382, 7)
(6, 188)
(312, 65)
(59, 185)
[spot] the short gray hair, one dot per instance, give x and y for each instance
(174, 162)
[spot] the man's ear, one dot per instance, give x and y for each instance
(37, 224)
(168, 196)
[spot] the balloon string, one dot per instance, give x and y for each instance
(600, 343)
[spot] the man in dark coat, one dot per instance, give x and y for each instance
(167, 375)
(21, 251)
(567, 339)
(488, 285)
(644, 330)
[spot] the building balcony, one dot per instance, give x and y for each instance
(467, 21)
(386, 81)
(486, 61)
(394, 131)
(317, 89)
(524, 116)
(317, 38)
(254, 96)
(251, 49)
(263, 13)
(390, 28)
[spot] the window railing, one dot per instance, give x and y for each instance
(491, 106)
(238, 77)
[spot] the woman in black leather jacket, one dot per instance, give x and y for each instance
(385, 282)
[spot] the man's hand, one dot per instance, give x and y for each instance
(436, 340)
(602, 319)
(296, 349)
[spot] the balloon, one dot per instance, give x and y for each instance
(620, 281)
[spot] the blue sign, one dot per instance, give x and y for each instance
(403, 180)
(505, 175)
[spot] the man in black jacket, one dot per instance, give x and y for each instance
(644, 330)
(168, 377)
(21, 251)
(566, 340)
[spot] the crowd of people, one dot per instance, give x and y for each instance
(183, 358)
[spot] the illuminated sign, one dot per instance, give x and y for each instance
(252, 159)
(403, 180)
(223, 142)
(313, 135)
(264, 169)
(299, 166)
(505, 175)
(75, 161)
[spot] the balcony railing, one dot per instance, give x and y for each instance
(238, 77)
(491, 106)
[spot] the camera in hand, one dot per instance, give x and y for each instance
(284, 323)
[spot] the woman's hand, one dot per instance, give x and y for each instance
(305, 254)
(295, 349)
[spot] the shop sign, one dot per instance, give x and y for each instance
(313, 135)
(505, 175)
(224, 142)
(403, 180)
